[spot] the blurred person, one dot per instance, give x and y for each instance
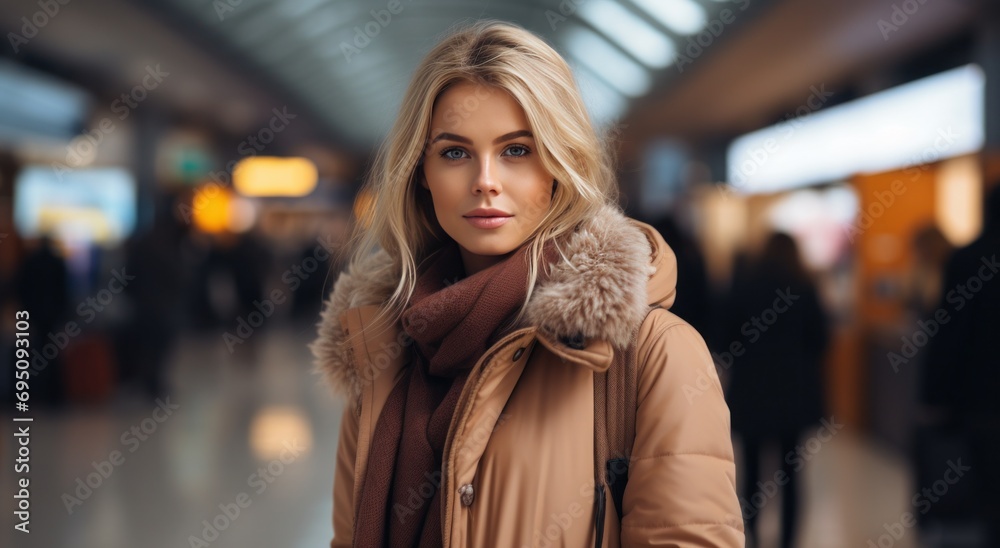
(249, 261)
(150, 334)
(42, 285)
(921, 295)
(494, 283)
(922, 287)
(693, 302)
(233, 269)
(776, 392)
(214, 293)
(962, 377)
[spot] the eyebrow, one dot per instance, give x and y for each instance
(498, 140)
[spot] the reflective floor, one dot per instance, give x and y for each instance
(241, 455)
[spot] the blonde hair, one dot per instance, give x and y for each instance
(399, 215)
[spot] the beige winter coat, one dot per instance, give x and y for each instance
(518, 466)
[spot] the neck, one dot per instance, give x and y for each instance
(474, 263)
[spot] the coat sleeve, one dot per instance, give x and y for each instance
(681, 490)
(343, 481)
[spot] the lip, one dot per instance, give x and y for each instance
(487, 217)
(488, 222)
(487, 212)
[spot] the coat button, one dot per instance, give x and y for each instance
(518, 352)
(467, 494)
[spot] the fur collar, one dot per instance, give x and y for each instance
(616, 268)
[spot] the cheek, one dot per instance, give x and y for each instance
(538, 201)
(448, 206)
(439, 185)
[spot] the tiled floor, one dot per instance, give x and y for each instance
(228, 437)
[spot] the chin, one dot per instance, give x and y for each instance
(487, 246)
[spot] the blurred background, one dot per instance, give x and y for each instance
(176, 177)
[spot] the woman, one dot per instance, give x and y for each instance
(504, 283)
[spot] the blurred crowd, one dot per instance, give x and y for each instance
(773, 369)
(108, 319)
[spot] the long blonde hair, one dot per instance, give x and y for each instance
(399, 215)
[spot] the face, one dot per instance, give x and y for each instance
(482, 155)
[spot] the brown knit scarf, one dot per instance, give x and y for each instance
(453, 321)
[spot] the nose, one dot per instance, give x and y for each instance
(486, 179)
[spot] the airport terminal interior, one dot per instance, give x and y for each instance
(179, 178)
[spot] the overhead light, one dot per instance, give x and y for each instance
(607, 61)
(680, 16)
(922, 122)
(210, 208)
(631, 32)
(958, 200)
(272, 176)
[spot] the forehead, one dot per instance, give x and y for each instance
(477, 106)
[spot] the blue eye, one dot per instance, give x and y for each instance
(514, 151)
(447, 154)
(524, 151)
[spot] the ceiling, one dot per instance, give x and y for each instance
(342, 65)
(106, 47)
(350, 61)
(771, 67)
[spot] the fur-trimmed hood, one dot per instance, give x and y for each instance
(617, 267)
